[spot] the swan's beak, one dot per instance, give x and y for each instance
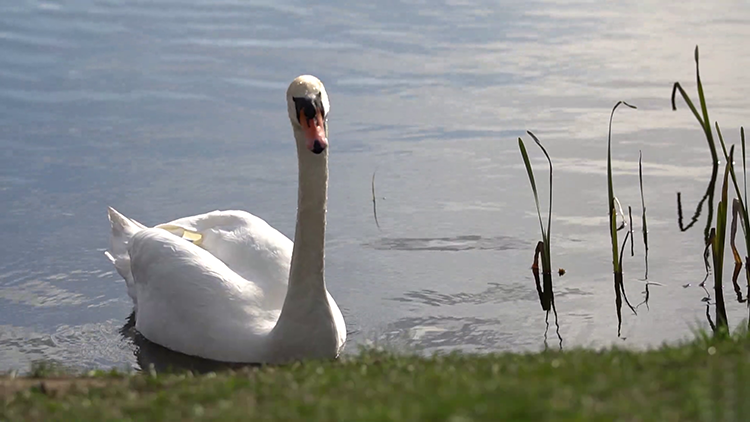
(313, 124)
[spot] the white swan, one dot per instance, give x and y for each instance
(227, 286)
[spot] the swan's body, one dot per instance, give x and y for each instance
(226, 285)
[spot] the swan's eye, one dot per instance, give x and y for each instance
(309, 110)
(309, 106)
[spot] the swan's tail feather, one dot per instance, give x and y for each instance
(122, 223)
(123, 229)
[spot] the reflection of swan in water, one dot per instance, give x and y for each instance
(151, 355)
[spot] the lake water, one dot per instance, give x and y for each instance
(165, 108)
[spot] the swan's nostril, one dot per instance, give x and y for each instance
(317, 147)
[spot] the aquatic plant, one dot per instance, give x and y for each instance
(716, 240)
(613, 205)
(644, 224)
(644, 232)
(543, 247)
(374, 201)
(705, 123)
(715, 237)
(739, 208)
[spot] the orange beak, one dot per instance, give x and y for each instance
(316, 138)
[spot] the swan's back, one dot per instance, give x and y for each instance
(248, 245)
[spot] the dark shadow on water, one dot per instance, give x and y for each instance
(151, 355)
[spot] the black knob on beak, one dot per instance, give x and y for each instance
(317, 147)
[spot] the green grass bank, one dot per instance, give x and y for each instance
(704, 380)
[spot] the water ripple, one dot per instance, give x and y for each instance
(295, 43)
(449, 244)
(62, 97)
(35, 40)
(257, 83)
(41, 294)
(448, 333)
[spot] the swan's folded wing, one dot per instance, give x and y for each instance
(245, 243)
(187, 298)
(169, 265)
(209, 220)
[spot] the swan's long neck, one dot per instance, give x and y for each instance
(306, 322)
(307, 273)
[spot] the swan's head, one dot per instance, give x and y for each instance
(308, 107)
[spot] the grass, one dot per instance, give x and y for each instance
(702, 380)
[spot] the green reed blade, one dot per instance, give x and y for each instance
(718, 247)
(689, 102)
(643, 207)
(730, 168)
(702, 97)
(721, 140)
(374, 201)
(610, 189)
(622, 284)
(547, 296)
(632, 235)
(702, 119)
(530, 173)
(744, 167)
(549, 212)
